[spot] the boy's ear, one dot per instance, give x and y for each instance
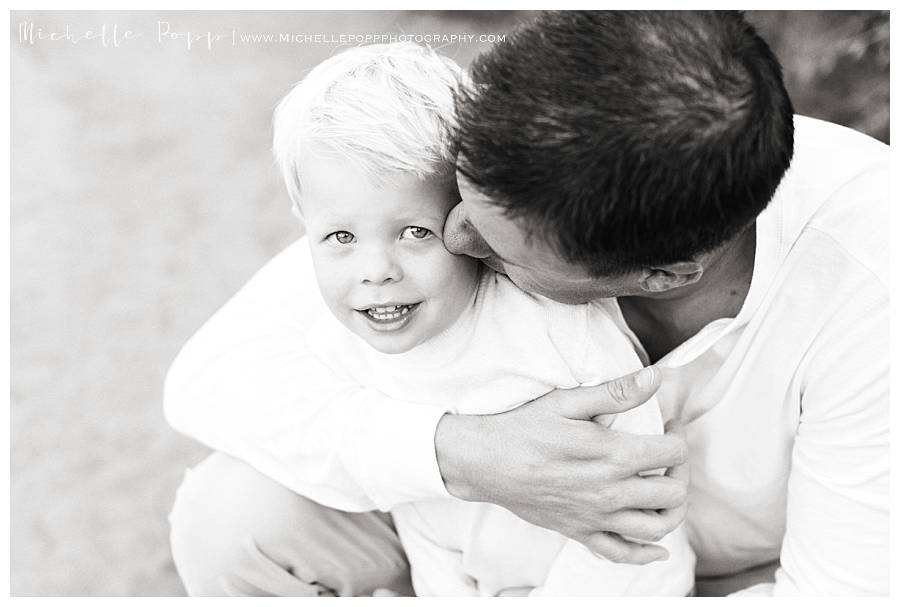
(670, 276)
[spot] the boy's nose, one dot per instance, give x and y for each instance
(461, 237)
(380, 267)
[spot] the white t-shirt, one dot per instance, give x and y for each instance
(787, 404)
(507, 348)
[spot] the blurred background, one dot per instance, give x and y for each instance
(143, 196)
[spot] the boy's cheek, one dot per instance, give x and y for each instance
(332, 289)
(464, 270)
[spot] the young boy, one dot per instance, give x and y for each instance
(364, 144)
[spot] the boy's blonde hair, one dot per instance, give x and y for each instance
(386, 107)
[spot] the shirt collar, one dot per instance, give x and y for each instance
(772, 245)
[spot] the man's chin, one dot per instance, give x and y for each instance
(572, 299)
(565, 297)
(568, 297)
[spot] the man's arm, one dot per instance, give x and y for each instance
(247, 384)
(837, 534)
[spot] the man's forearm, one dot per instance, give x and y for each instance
(458, 445)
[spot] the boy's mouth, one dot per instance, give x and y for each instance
(391, 316)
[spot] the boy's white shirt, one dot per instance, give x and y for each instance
(507, 348)
(786, 405)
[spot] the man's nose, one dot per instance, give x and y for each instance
(461, 238)
(380, 266)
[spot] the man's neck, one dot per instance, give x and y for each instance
(663, 322)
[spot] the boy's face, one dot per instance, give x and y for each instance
(379, 256)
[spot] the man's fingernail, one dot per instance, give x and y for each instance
(645, 378)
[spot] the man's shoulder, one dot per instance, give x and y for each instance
(827, 140)
(837, 192)
(827, 157)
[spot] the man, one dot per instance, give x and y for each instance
(642, 156)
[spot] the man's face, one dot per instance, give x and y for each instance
(479, 228)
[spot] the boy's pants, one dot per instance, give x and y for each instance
(235, 532)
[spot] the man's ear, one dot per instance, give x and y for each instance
(670, 276)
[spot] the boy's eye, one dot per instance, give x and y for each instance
(340, 238)
(415, 232)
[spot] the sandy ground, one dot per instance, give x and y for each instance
(142, 196)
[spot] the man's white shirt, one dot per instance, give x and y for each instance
(786, 405)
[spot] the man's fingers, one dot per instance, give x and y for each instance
(674, 426)
(652, 493)
(680, 472)
(619, 550)
(643, 525)
(614, 396)
(680, 476)
(643, 453)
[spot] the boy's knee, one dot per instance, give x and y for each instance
(228, 523)
(234, 531)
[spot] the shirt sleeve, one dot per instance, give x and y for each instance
(597, 350)
(247, 384)
(838, 526)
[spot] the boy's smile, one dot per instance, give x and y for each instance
(390, 317)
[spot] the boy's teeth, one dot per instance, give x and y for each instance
(388, 312)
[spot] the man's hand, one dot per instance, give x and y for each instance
(553, 464)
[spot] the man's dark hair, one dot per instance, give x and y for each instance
(628, 138)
